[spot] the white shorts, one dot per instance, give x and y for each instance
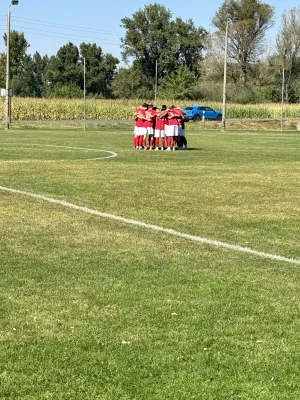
(172, 130)
(159, 133)
(181, 132)
(149, 130)
(140, 131)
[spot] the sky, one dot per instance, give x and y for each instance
(48, 25)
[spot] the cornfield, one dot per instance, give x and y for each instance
(29, 109)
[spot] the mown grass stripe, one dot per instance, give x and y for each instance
(142, 224)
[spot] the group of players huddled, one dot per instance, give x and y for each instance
(159, 129)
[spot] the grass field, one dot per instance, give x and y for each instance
(96, 308)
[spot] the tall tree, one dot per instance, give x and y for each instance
(19, 64)
(65, 71)
(39, 65)
(249, 20)
(288, 47)
(152, 35)
(131, 83)
(100, 69)
(179, 84)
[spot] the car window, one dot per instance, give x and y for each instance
(188, 108)
(208, 109)
(201, 108)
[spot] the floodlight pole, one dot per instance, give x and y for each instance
(7, 89)
(282, 98)
(155, 88)
(84, 93)
(225, 79)
(7, 122)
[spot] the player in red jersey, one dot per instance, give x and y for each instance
(179, 115)
(139, 129)
(149, 125)
(174, 116)
(135, 132)
(159, 131)
(164, 117)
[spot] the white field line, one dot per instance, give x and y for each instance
(173, 232)
(27, 146)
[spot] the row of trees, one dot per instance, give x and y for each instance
(190, 60)
(60, 75)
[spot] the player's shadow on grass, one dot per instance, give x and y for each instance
(194, 149)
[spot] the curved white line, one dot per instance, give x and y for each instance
(112, 154)
(198, 239)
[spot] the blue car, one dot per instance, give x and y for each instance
(198, 113)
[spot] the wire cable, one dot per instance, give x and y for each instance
(72, 40)
(64, 35)
(64, 26)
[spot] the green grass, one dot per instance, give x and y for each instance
(92, 308)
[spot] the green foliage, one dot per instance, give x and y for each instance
(66, 69)
(21, 65)
(71, 91)
(63, 68)
(131, 83)
(152, 35)
(179, 85)
(100, 70)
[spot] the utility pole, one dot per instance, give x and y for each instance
(155, 88)
(225, 79)
(282, 98)
(8, 91)
(82, 61)
(84, 93)
(7, 121)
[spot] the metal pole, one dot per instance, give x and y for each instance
(155, 95)
(7, 72)
(84, 94)
(282, 99)
(225, 79)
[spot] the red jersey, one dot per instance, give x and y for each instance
(175, 116)
(140, 117)
(150, 118)
(160, 122)
(165, 116)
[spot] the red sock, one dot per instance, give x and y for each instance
(141, 141)
(156, 142)
(151, 142)
(135, 141)
(169, 141)
(163, 142)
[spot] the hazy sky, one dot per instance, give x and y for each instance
(48, 25)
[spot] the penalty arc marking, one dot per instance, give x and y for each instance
(111, 154)
(157, 228)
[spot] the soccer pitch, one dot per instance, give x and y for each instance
(118, 276)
